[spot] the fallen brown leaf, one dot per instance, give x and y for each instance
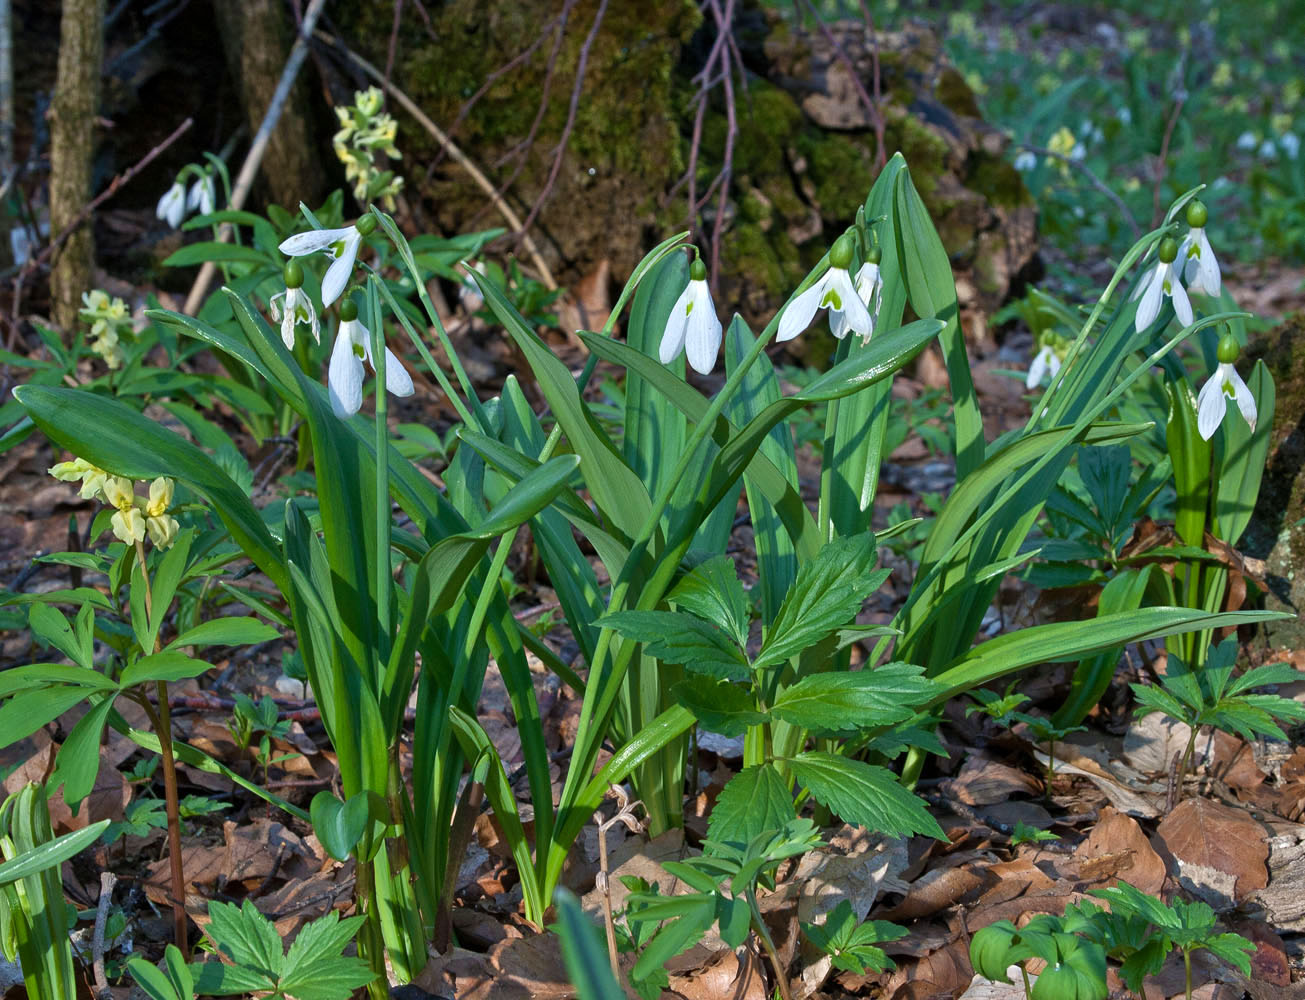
(1203, 833)
(1120, 836)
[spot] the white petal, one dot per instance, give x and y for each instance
(1210, 405)
(854, 311)
(1149, 308)
(1182, 305)
(1053, 360)
(177, 209)
(1242, 393)
(1037, 369)
(196, 194)
(838, 324)
(288, 319)
(397, 379)
(703, 334)
(1211, 278)
(312, 320)
(676, 323)
(341, 270)
(799, 313)
(313, 241)
(273, 308)
(345, 375)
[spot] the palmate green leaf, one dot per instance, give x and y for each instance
(840, 703)
(1079, 972)
(314, 969)
(862, 793)
(1151, 698)
(115, 437)
(721, 707)
(1273, 673)
(1233, 949)
(678, 637)
(827, 594)
(755, 800)
(247, 938)
(713, 592)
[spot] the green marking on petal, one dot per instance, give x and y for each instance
(358, 351)
(337, 248)
(688, 309)
(1228, 389)
(832, 299)
(1169, 289)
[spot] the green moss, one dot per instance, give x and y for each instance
(841, 169)
(955, 94)
(999, 181)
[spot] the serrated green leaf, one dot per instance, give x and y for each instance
(847, 702)
(678, 637)
(753, 801)
(713, 592)
(864, 794)
(721, 706)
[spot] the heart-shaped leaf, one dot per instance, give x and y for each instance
(339, 825)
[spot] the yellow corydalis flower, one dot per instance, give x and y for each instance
(128, 522)
(92, 477)
(134, 518)
(162, 528)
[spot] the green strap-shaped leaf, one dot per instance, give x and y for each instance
(1245, 455)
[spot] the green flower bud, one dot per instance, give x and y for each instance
(293, 272)
(1197, 214)
(873, 255)
(348, 310)
(1168, 250)
(697, 270)
(840, 254)
(366, 225)
(1229, 350)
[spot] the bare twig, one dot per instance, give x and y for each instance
(257, 148)
(107, 881)
(1096, 182)
(871, 107)
(624, 814)
(394, 39)
(724, 22)
(581, 63)
(457, 155)
(1162, 164)
(877, 115)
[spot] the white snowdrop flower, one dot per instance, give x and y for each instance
(1290, 143)
(1223, 385)
(869, 283)
(1125, 116)
(833, 291)
(353, 346)
(1163, 281)
(172, 206)
(202, 195)
(295, 308)
(1026, 161)
(1268, 150)
(1200, 268)
(693, 325)
(1246, 141)
(339, 244)
(1047, 360)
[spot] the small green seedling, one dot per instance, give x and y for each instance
(1002, 709)
(1189, 927)
(1214, 697)
(850, 943)
(1025, 834)
(1076, 966)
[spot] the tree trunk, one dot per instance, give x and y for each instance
(257, 37)
(72, 145)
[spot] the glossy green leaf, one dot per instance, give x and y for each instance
(845, 703)
(862, 793)
(339, 825)
(231, 631)
(167, 666)
(755, 800)
(50, 854)
(678, 637)
(721, 707)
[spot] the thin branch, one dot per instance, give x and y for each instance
(257, 148)
(871, 108)
(455, 153)
(877, 115)
(394, 39)
(724, 22)
(107, 881)
(581, 63)
(1162, 164)
(1096, 181)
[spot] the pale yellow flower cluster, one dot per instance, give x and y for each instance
(109, 320)
(134, 517)
(365, 133)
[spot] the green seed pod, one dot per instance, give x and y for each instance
(697, 270)
(366, 225)
(348, 310)
(1168, 250)
(1197, 214)
(293, 272)
(1229, 350)
(840, 254)
(873, 255)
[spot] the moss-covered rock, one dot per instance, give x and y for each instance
(804, 155)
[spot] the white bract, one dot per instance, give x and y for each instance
(353, 345)
(172, 206)
(297, 308)
(692, 327)
(1212, 403)
(339, 244)
(202, 195)
(835, 292)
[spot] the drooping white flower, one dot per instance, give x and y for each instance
(693, 325)
(1026, 161)
(353, 346)
(1163, 281)
(1268, 151)
(1246, 141)
(172, 206)
(339, 244)
(833, 291)
(202, 195)
(869, 283)
(1044, 362)
(1200, 268)
(1224, 384)
(1290, 143)
(297, 308)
